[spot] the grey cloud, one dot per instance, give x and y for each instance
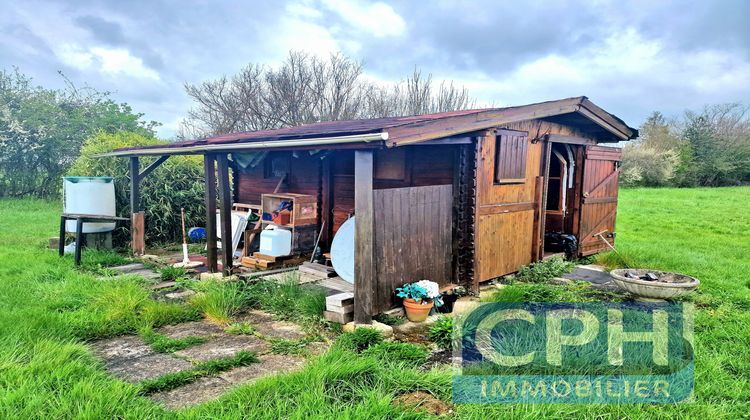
(462, 40)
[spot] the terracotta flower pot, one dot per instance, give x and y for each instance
(416, 311)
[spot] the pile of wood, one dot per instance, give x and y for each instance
(340, 308)
(262, 261)
(312, 272)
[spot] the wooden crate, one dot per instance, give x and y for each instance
(304, 207)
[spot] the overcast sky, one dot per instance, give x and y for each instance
(629, 57)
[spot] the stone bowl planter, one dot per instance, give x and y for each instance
(666, 286)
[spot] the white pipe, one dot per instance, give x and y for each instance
(563, 178)
(317, 141)
(572, 163)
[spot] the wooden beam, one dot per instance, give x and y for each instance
(210, 178)
(559, 138)
(326, 198)
(607, 120)
(546, 159)
(225, 197)
(364, 263)
(452, 126)
(138, 233)
(152, 166)
(137, 218)
(135, 186)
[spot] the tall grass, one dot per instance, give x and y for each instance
(218, 301)
(48, 308)
(287, 300)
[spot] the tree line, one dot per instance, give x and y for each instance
(42, 130)
(710, 147)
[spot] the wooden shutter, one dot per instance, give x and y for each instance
(601, 168)
(511, 148)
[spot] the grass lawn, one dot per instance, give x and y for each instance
(48, 310)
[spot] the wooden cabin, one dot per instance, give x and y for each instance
(455, 197)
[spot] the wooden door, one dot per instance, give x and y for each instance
(601, 168)
(508, 167)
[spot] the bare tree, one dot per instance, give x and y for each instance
(306, 89)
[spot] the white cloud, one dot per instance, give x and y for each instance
(378, 19)
(110, 62)
(619, 72)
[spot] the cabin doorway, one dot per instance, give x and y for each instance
(561, 208)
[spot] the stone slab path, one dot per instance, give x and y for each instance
(132, 359)
(136, 269)
(595, 275)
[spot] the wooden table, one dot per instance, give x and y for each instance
(80, 220)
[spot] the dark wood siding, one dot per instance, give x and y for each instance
(424, 165)
(303, 178)
(413, 238)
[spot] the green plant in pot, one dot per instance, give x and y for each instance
(419, 298)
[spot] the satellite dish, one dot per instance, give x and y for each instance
(342, 251)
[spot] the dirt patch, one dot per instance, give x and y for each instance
(438, 358)
(423, 402)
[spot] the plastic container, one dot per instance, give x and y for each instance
(275, 242)
(89, 195)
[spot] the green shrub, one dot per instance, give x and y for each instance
(177, 183)
(359, 339)
(219, 302)
(543, 271)
(441, 332)
(398, 353)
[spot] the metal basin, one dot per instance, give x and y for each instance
(667, 286)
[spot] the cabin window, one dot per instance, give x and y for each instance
(276, 165)
(510, 158)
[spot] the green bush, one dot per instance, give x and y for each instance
(360, 339)
(177, 183)
(543, 271)
(42, 130)
(441, 332)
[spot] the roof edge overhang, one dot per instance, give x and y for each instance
(420, 132)
(233, 147)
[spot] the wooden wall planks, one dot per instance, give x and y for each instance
(505, 216)
(413, 238)
(424, 165)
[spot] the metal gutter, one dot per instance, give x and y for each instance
(228, 147)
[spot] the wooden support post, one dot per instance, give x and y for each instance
(138, 232)
(135, 185)
(538, 229)
(364, 263)
(210, 177)
(61, 244)
(79, 239)
(137, 225)
(225, 191)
